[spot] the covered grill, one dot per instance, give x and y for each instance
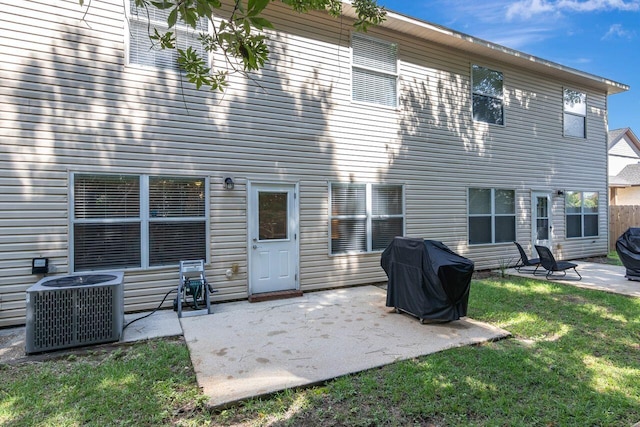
(427, 279)
(628, 248)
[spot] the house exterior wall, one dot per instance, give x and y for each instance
(71, 104)
(617, 163)
(621, 155)
(625, 196)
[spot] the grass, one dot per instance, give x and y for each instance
(613, 258)
(574, 360)
(151, 383)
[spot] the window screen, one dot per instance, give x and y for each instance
(143, 51)
(581, 210)
(374, 72)
(109, 223)
(487, 95)
(492, 215)
(365, 217)
(177, 220)
(575, 113)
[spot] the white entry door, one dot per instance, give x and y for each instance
(273, 238)
(541, 219)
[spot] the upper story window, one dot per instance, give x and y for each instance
(488, 105)
(365, 217)
(130, 221)
(492, 215)
(142, 51)
(581, 209)
(374, 71)
(575, 113)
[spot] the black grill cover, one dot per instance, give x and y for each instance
(427, 279)
(628, 248)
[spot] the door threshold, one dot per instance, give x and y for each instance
(268, 296)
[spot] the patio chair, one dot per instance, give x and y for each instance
(524, 261)
(551, 265)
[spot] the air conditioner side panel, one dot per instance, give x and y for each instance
(60, 318)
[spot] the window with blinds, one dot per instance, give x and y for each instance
(177, 219)
(387, 215)
(374, 71)
(365, 217)
(124, 221)
(106, 229)
(143, 51)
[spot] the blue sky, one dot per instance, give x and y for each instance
(601, 37)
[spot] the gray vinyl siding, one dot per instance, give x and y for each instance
(70, 104)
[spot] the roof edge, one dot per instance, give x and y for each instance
(475, 45)
(619, 133)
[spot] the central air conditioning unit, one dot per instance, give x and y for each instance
(74, 310)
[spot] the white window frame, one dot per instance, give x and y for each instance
(179, 29)
(375, 70)
(582, 214)
(474, 93)
(566, 113)
(144, 218)
(493, 215)
(368, 215)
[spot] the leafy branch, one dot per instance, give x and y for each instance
(240, 36)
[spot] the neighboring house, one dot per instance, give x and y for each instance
(109, 161)
(624, 167)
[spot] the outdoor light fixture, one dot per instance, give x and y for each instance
(560, 193)
(39, 265)
(228, 183)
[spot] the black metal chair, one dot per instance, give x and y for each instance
(551, 265)
(524, 261)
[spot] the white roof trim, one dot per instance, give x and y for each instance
(466, 43)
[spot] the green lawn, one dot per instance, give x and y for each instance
(613, 258)
(574, 360)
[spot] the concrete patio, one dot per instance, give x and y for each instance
(601, 277)
(249, 349)
(245, 350)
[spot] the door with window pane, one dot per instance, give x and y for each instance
(541, 219)
(273, 234)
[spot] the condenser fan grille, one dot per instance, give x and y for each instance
(75, 316)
